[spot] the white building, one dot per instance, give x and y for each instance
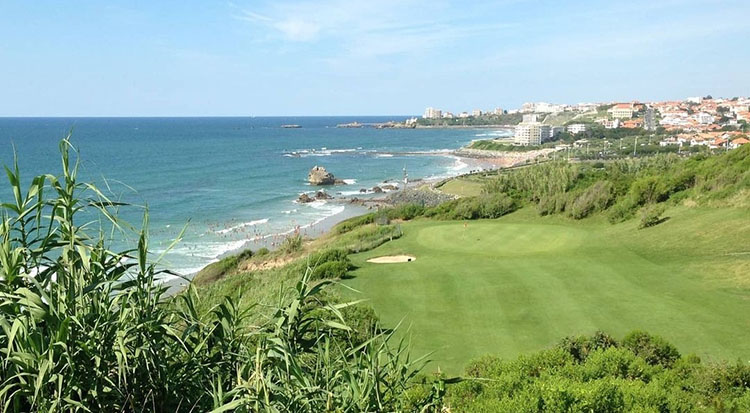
(531, 133)
(498, 111)
(704, 118)
(576, 128)
(448, 115)
(476, 113)
(463, 115)
(621, 110)
(432, 113)
(694, 99)
(554, 131)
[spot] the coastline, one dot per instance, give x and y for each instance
(357, 205)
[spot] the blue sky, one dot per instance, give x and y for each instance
(349, 57)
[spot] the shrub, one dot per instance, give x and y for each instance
(292, 243)
(597, 197)
(352, 223)
(329, 270)
(651, 215)
(405, 212)
(654, 349)
(580, 347)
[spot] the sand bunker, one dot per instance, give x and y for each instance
(392, 259)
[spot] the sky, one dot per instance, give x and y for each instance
(351, 57)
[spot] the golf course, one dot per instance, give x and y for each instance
(520, 283)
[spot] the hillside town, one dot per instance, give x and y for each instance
(694, 121)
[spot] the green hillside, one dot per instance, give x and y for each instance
(520, 283)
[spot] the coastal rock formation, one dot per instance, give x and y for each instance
(419, 197)
(363, 191)
(322, 195)
(304, 198)
(389, 187)
(339, 182)
(319, 176)
(377, 189)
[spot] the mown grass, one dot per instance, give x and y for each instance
(519, 283)
(463, 186)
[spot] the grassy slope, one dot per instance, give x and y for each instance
(463, 186)
(520, 283)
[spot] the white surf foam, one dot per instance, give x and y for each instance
(243, 225)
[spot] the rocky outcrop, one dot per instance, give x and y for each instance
(377, 189)
(339, 181)
(322, 195)
(389, 187)
(427, 198)
(319, 176)
(304, 198)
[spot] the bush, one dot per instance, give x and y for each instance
(651, 215)
(580, 347)
(405, 212)
(597, 197)
(329, 270)
(352, 223)
(292, 243)
(654, 349)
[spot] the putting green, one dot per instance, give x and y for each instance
(521, 283)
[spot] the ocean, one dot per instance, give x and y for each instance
(232, 181)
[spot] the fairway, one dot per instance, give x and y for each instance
(522, 282)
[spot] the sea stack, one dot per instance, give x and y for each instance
(319, 176)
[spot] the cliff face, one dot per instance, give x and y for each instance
(319, 176)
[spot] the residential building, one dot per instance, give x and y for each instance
(463, 115)
(649, 119)
(704, 118)
(529, 118)
(432, 113)
(476, 113)
(695, 99)
(621, 111)
(498, 111)
(555, 131)
(448, 115)
(531, 132)
(576, 128)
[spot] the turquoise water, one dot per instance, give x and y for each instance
(232, 180)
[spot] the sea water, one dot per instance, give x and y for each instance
(228, 181)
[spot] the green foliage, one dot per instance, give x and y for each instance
(329, 264)
(651, 215)
(597, 197)
(597, 374)
(653, 349)
(352, 223)
(85, 328)
(291, 244)
(405, 212)
(622, 187)
(484, 206)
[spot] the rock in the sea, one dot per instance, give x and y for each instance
(377, 189)
(322, 195)
(339, 182)
(304, 198)
(363, 191)
(389, 187)
(319, 176)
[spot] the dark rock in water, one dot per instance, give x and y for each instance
(339, 182)
(319, 176)
(322, 195)
(377, 189)
(304, 198)
(389, 187)
(354, 200)
(363, 191)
